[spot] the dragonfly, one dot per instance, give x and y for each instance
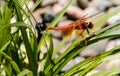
(81, 24)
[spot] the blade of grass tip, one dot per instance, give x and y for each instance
(60, 14)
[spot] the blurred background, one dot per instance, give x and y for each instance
(48, 9)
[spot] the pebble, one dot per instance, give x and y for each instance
(48, 16)
(47, 2)
(88, 53)
(90, 10)
(72, 11)
(64, 47)
(75, 12)
(63, 2)
(101, 66)
(113, 64)
(64, 22)
(78, 59)
(57, 8)
(57, 34)
(82, 3)
(102, 5)
(55, 42)
(115, 2)
(114, 19)
(111, 44)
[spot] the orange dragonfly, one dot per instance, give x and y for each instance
(80, 24)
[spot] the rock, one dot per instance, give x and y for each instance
(113, 64)
(114, 19)
(115, 2)
(75, 12)
(102, 5)
(72, 63)
(101, 66)
(72, 11)
(110, 45)
(88, 53)
(57, 34)
(82, 3)
(78, 59)
(48, 2)
(64, 47)
(68, 65)
(63, 2)
(64, 22)
(37, 14)
(57, 8)
(55, 42)
(90, 10)
(48, 16)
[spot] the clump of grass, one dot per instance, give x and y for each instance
(13, 61)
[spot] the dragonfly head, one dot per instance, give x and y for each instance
(90, 25)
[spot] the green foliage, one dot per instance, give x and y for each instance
(21, 54)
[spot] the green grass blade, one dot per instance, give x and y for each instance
(109, 28)
(49, 53)
(5, 46)
(109, 72)
(14, 65)
(30, 53)
(76, 50)
(59, 46)
(107, 16)
(4, 35)
(100, 58)
(35, 5)
(25, 72)
(48, 59)
(19, 24)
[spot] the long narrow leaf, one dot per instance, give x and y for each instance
(25, 72)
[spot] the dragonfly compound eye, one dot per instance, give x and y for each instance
(90, 25)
